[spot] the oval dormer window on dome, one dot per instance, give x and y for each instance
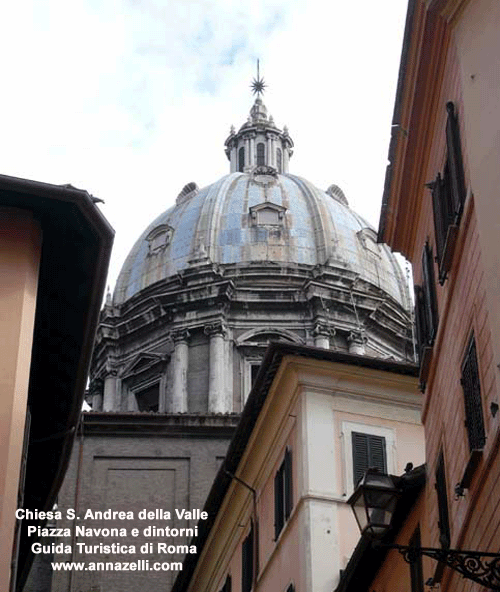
(368, 238)
(159, 239)
(261, 154)
(241, 159)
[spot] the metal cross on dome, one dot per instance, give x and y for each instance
(258, 85)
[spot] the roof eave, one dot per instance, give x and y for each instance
(75, 272)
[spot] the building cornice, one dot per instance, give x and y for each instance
(426, 41)
(175, 425)
(77, 242)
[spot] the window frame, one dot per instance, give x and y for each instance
(279, 160)
(259, 215)
(248, 363)
(370, 440)
(448, 192)
(139, 390)
(260, 154)
(347, 428)
(241, 159)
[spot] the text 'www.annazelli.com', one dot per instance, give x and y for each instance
(139, 565)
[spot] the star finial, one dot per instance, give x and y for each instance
(258, 85)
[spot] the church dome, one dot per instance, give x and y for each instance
(260, 255)
(264, 217)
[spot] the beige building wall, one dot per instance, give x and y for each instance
(336, 403)
(311, 409)
(20, 246)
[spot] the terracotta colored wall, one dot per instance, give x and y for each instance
(394, 575)
(464, 306)
(478, 45)
(20, 239)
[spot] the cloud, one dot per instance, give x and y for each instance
(132, 99)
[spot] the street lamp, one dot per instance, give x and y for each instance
(374, 502)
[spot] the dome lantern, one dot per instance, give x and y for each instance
(259, 142)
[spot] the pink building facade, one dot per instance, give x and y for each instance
(441, 210)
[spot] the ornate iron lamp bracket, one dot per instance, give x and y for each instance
(483, 568)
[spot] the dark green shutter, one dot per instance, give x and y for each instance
(472, 398)
(376, 446)
(444, 520)
(368, 451)
(441, 212)
(247, 562)
(416, 568)
(360, 457)
(429, 289)
(279, 510)
(420, 320)
(288, 483)
(454, 161)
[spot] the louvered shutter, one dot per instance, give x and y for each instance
(359, 455)
(420, 320)
(279, 509)
(288, 483)
(439, 208)
(444, 521)
(247, 562)
(472, 398)
(454, 161)
(368, 451)
(429, 289)
(376, 448)
(416, 567)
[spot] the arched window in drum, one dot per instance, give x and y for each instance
(279, 164)
(261, 154)
(241, 159)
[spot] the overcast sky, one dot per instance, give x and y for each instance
(132, 99)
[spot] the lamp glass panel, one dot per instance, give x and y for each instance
(375, 498)
(360, 513)
(380, 514)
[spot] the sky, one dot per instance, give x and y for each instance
(133, 99)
